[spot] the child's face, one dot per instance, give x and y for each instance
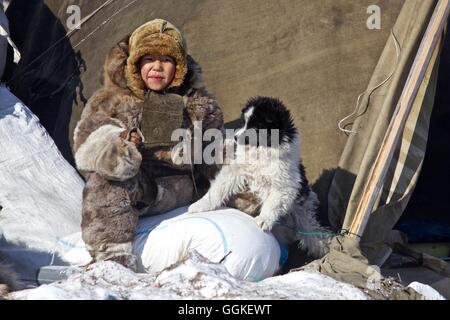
(157, 71)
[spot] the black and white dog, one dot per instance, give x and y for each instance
(277, 178)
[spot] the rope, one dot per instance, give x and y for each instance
(105, 22)
(87, 18)
(193, 181)
(346, 232)
(191, 165)
(69, 33)
(398, 52)
(323, 234)
(223, 259)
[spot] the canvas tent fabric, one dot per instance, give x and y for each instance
(316, 56)
(376, 110)
(285, 49)
(346, 263)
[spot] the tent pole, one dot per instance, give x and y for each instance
(397, 123)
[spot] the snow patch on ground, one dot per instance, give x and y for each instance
(426, 291)
(193, 278)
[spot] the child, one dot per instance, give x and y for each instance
(122, 142)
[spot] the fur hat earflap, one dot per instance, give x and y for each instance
(155, 37)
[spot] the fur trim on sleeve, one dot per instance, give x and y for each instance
(202, 107)
(105, 153)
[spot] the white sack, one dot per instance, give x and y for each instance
(163, 240)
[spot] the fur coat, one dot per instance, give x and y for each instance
(114, 109)
(125, 180)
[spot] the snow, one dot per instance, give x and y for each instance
(428, 292)
(192, 278)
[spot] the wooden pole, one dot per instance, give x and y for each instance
(397, 124)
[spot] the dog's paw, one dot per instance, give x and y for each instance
(199, 206)
(264, 223)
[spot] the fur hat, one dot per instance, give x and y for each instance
(155, 37)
